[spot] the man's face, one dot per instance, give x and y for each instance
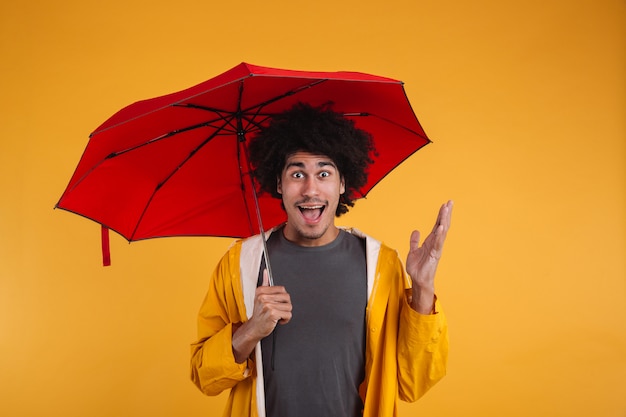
(310, 186)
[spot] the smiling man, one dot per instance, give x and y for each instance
(345, 330)
(309, 185)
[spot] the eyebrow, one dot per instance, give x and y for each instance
(320, 164)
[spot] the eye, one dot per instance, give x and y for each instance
(297, 175)
(324, 174)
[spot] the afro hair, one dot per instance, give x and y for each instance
(316, 130)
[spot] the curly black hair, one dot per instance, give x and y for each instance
(317, 130)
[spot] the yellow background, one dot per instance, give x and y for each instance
(525, 103)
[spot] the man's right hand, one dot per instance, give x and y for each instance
(272, 305)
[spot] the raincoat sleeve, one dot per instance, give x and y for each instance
(406, 352)
(213, 366)
(422, 351)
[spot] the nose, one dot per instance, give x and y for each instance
(310, 187)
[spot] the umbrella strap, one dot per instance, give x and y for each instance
(106, 249)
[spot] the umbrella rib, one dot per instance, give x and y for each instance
(289, 93)
(259, 106)
(225, 115)
(388, 121)
(169, 176)
(141, 145)
(251, 113)
(250, 119)
(166, 136)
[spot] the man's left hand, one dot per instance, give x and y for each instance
(422, 261)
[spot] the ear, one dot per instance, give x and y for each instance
(279, 187)
(343, 186)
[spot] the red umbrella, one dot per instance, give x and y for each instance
(176, 165)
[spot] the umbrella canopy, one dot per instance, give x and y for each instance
(176, 165)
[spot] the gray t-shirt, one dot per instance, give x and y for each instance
(314, 364)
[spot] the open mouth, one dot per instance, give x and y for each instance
(312, 213)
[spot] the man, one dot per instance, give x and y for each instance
(344, 331)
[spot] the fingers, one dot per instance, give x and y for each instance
(434, 241)
(275, 311)
(446, 214)
(272, 305)
(272, 295)
(415, 240)
(443, 217)
(266, 278)
(443, 224)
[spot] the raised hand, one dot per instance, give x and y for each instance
(422, 261)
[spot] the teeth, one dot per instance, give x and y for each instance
(311, 208)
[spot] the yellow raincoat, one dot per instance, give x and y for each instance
(406, 352)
